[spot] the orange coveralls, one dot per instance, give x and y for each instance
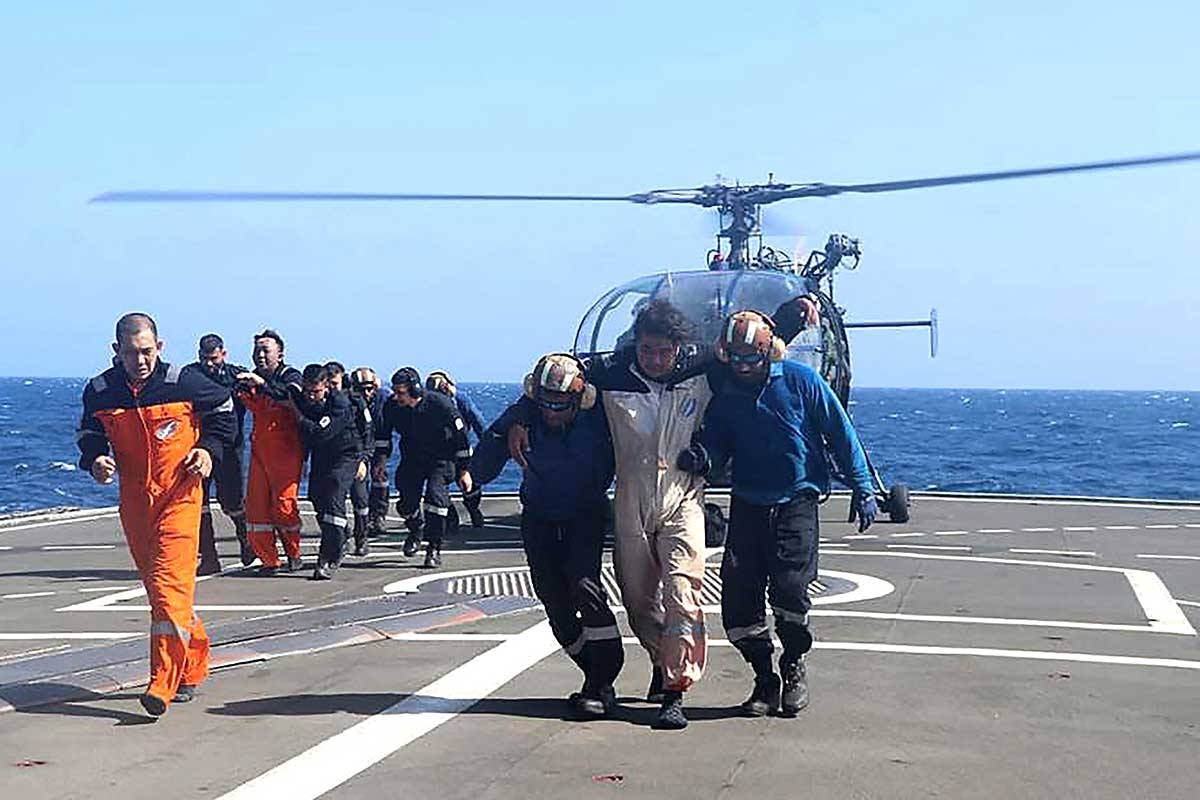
(276, 461)
(150, 432)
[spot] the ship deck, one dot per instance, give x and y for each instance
(1041, 647)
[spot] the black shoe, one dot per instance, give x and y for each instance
(765, 697)
(654, 694)
(670, 716)
(246, 553)
(186, 693)
(795, 688)
(433, 557)
(208, 566)
(295, 564)
(608, 696)
(155, 706)
(412, 543)
(476, 517)
(586, 706)
(267, 572)
(323, 572)
(361, 546)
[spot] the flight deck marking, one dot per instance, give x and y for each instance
(958, 547)
(79, 547)
(1162, 612)
(1036, 552)
(339, 758)
(1168, 557)
(111, 602)
(21, 595)
(905, 535)
(994, 530)
(950, 533)
(875, 647)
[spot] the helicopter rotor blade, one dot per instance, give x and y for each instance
(831, 189)
(189, 196)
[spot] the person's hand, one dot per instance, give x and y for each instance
(103, 469)
(693, 460)
(465, 481)
(863, 508)
(198, 462)
(251, 378)
(360, 474)
(518, 445)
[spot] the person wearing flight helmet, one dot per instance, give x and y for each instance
(654, 393)
(433, 452)
(439, 381)
(775, 418)
(564, 509)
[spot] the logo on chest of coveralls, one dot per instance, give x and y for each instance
(324, 423)
(688, 407)
(166, 430)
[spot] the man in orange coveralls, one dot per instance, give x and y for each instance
(161, 427)
(276, 454)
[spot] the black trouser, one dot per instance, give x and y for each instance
(328, 488)
(360, 498)
(378, 503)
(564, 562)
(230, 494)
(432, 480)
(770, 550)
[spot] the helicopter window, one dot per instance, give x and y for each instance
(608, 325)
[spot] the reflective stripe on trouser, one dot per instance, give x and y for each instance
(430, 481)
(272, 502)
(564, 563)
(163, 544)
(329, 487)
(668, 621)
(770, 552)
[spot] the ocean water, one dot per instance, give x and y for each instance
(1119, 444)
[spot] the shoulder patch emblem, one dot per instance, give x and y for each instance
(688, 407)
(458, 423)
(166, 430)
(324, 422)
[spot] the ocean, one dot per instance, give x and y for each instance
(1113, 444)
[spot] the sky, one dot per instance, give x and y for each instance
(1076, 282)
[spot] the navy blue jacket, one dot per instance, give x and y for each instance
(569, 471)
(777, 436)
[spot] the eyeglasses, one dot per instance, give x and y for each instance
(749, 359)
(555, 405)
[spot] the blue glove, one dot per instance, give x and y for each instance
(863, 508)
(694, 460)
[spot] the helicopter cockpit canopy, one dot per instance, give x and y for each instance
(704, 297)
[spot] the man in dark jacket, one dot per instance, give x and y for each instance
(335, 445)
(433, 452)
(564, 501)
(227, 476)
(776, 419)
(439, 381)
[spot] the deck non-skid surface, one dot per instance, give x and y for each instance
(1051, 653)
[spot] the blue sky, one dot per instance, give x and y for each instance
(1084, 282)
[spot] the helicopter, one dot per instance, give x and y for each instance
(740, 272)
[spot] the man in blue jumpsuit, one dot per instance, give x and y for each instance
(440, 381)
(564, 499)
(776, 419)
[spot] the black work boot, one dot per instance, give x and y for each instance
(588, 702)
(412, 543)
(155, 706)
(186, 693)
(795, 687)
(245, 551)
(765, 697)
(324, 571)
(361, 546)
(670, 715)
(654, 694)
(433, 556)
(210, 565)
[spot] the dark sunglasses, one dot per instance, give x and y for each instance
(750, 359)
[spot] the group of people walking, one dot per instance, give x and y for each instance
(657, 416)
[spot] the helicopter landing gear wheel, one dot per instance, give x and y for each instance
(896, 504)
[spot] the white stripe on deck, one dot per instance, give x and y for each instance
(79, 547)
(22, 637)
(1168, 558)
(21, 595)
(339, 758)
(958, 547)
(881, 647)
(1036, 552)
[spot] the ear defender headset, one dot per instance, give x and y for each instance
(410, 379)
(560, 372)
(748, 327)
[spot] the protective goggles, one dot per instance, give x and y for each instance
(749, 359)
(555, 405)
